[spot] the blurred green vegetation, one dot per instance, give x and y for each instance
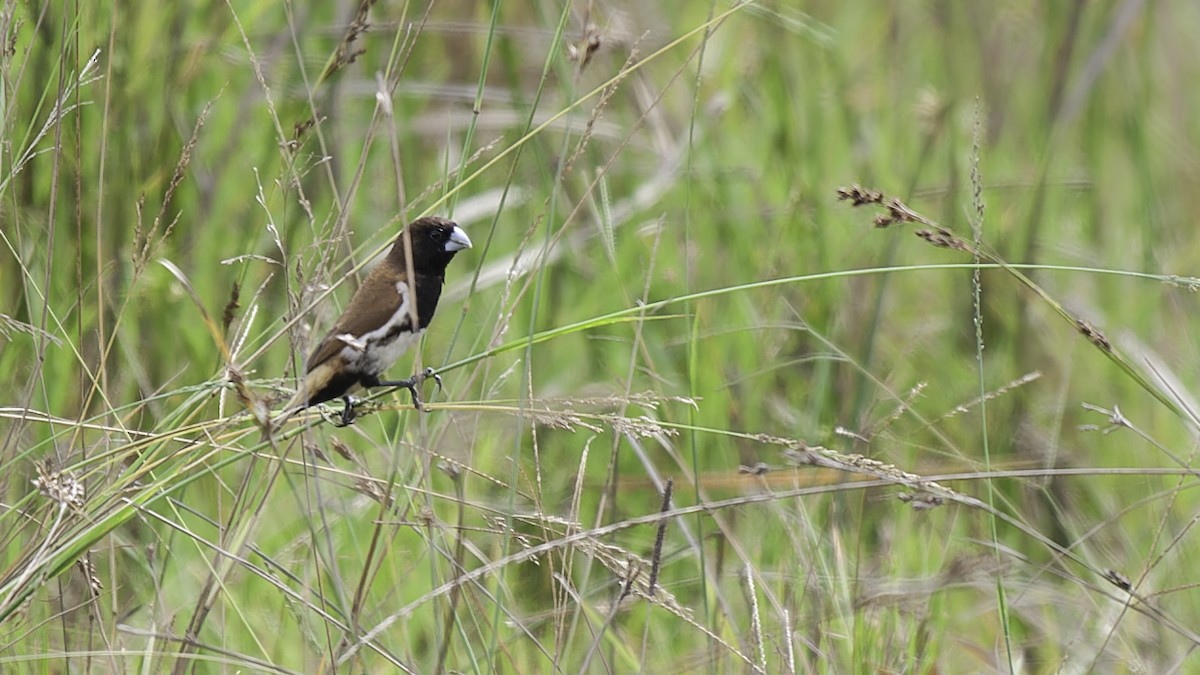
(188, 195)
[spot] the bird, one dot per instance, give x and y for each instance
(385, 318)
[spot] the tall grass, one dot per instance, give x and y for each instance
(665, 289)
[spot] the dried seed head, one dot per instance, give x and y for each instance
(1117, 579)
(921, 501)
(943, 238)
(858, 195)
(60, 487)
(1093, 334)
(344, 450)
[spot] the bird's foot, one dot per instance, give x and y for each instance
(412, 384)
(348, 415)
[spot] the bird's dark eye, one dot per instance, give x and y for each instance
(437, 234)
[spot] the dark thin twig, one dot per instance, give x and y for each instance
(656, 558)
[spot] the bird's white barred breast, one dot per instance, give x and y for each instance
(375, 351)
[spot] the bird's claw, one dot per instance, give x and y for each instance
(348, 415)
(415, 381)
(412, 384)
(430, 372)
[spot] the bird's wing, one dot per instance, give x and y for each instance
(375, 302)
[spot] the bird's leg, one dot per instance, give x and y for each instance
(411, 385)
(348, 412)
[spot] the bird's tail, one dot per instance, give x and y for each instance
(313, 383)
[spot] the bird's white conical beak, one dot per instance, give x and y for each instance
(458, 240)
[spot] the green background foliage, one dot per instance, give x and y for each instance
(664, 285)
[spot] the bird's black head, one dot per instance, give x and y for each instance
(435, 240)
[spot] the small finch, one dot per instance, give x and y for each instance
(384, 319)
